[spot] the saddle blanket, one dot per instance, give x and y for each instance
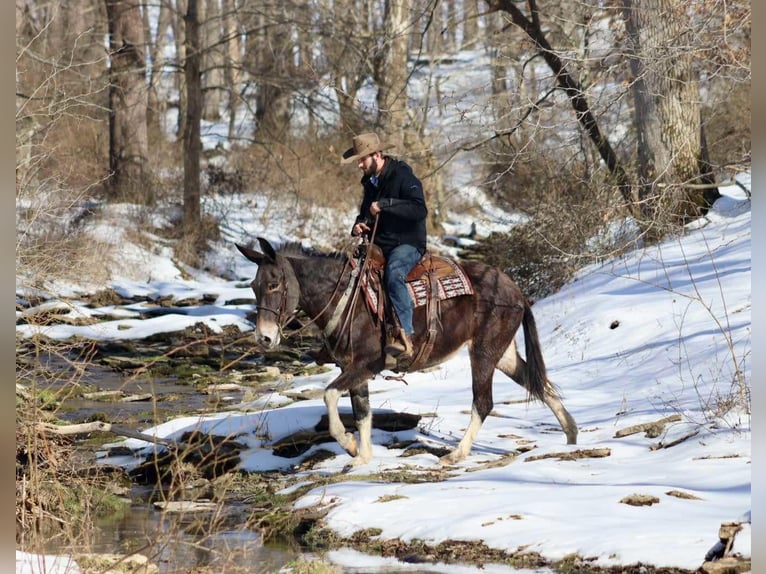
(451, 281)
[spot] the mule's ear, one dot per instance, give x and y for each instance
(268, 250)
(251, 254)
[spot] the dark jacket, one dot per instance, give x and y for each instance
(403, 211)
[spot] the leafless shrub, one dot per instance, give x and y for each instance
(727, 125)
(304, 171)
(568, 213)
(191, 245)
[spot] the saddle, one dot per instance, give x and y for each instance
(434, 278)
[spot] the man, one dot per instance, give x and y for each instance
(394, 195)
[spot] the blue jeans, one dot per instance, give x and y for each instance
(400, 261)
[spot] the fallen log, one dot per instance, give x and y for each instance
(100, 426)
(386, 421)
(653, 429)
(573, 454)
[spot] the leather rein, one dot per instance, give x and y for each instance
(352, 290)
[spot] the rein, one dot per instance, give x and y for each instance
(354, 285)
(362, 271)
(313, 319)
(352, 290)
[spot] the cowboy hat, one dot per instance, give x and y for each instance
(364, 144)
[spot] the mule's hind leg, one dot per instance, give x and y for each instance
(513, 365)
(481, 375)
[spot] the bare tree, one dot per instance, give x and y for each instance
(213, 44)
(156, 44)
(404, 125)
(471, 18)
(271, 45)
(392, 72)
(571, 86)
(666, 112)
(128, 100)
(232, 61)
(350, 58)
(191, 136)
(179, 34)
(666, 98)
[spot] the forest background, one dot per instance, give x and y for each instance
(636, 107)
(595, 116)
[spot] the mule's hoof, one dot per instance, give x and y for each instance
(359, 461)
(351, 446)
(355, 463)
(449, 459)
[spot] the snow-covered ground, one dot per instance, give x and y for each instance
(659, 332)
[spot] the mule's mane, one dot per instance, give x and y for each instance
(296, 249)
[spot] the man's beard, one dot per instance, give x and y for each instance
(373, 167)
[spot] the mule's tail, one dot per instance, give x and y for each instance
(535, 375)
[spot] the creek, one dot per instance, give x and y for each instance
(119, 383)
(173, 543)
(107, 384)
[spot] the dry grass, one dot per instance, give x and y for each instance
(301, 172)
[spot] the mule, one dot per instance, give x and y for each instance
(292, 279)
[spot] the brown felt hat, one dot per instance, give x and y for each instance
(364, 144)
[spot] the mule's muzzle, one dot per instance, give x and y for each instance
(267, 335)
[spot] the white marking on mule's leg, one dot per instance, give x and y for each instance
(464, 447)
(508, 362)
(364, 453)
(512, 365)
(568, 424)
(337, 430)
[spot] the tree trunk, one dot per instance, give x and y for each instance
(191, 136)
(392, 71)
(128, 141)
(273, 69)
(232, 62)
(211, 40)
(348, 73)
(180, 38)
(471, 30)
(666, 112)
(157, 104)
(402, 127)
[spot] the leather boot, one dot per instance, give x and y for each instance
(400, 348)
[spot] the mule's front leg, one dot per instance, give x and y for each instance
(360, 403)
(337, 429)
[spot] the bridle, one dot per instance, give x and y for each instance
(352, 290)
(280, 311)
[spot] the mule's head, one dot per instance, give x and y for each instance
(276, 292)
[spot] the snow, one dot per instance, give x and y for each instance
(662, 331)
(45, 564)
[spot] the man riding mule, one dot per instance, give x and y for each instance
(486, 319)
(393, 211)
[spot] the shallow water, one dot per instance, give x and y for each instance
(176, 546)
